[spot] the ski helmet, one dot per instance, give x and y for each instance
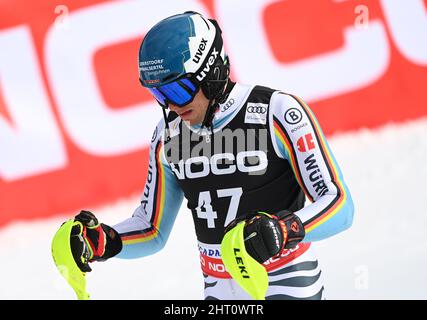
(182, 54)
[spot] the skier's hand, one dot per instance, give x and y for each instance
(93, 241)
(266, 235)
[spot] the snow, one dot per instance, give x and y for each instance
(383, 255)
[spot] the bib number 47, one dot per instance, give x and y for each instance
(205, 211)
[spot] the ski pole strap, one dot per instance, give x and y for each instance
(244, 269)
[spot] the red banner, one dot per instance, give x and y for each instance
(75, 123)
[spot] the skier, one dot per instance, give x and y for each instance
(196, 153)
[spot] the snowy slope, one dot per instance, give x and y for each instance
(383, 256)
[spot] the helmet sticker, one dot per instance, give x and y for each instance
(199, 43)
(208, 65)
(153, 68)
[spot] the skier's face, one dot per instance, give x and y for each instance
(195, 111)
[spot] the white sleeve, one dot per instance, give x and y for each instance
(147, 231)
(298, 138)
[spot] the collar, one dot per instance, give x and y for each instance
(226, 111)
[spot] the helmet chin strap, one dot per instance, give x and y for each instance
(209, 116)
(213, 105)
(210, 113)
(167, 129)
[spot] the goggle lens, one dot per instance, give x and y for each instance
(179, 92)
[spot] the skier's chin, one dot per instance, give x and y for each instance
(192, 121)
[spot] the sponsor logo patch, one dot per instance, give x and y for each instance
(306, 143)
(315, 175)
(227, 105)
(302, 125)
(293, 116)
(256, 113)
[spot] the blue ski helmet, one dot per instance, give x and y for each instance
(180, 55)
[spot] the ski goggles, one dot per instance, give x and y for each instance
(179, 92)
